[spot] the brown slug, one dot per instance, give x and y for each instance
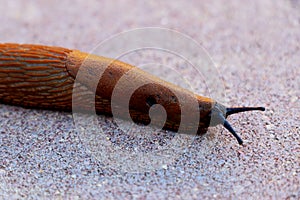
(37, 76)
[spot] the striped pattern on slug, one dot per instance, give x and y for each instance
(34, 76)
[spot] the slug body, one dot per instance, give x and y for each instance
(36, 76)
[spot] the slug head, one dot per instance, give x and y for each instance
(219, 114)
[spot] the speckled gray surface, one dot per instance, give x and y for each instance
(256, 47)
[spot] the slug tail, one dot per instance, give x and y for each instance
(230, 111)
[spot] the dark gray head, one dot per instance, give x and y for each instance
(220, 113)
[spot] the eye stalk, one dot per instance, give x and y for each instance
(230, 111)
(220, 114)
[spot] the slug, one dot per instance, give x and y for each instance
(43, 77)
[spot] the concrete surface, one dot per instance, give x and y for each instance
(256, 46)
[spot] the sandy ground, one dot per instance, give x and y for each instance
(256, 48)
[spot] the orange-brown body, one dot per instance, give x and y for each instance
(36, 76)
